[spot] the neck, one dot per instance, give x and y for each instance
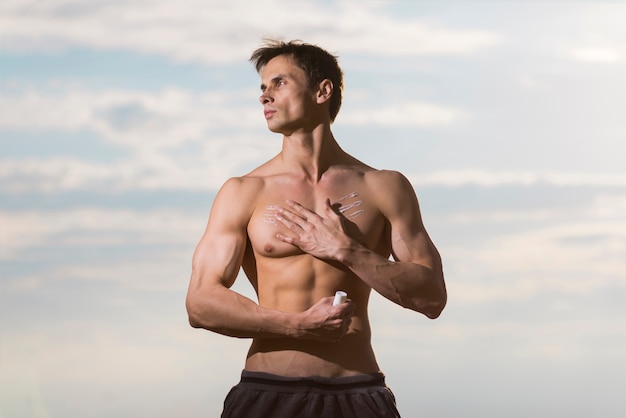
(311, 153)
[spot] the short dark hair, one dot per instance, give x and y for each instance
(317, 63)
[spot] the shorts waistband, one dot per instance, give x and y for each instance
(319, 382)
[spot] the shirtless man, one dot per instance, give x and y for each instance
(310, 221)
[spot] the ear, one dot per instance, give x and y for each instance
(325, 91)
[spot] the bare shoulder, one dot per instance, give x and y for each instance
(236, 198)
(243, 185)
(394, 192)
(238, 195)
(387, 178)
(241, 188)
(388, 183)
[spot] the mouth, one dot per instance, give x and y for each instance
(268, 113)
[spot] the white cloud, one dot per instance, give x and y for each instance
(171, 236)
(568, 258)
(153, 124)
(97, 361)
(26, 230)
(609, 206)
(130, 119)
(599, 38)
(416, 114)
(222, 158)
(170, 117)
(148, 124)
(204, 169)
(218, 31)
(491, 178)
(601, 55)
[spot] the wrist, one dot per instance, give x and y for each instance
(275, 324)
(293, 325)
(345, 254)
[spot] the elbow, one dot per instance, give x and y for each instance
(194, 322)
(203, 309)
(431, 306)
(434, 310)
(438, 300)
(436, 306)
(431, 309)
(428, 297)
(194, 314)
(201, 314)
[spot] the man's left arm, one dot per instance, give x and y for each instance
(414, 279)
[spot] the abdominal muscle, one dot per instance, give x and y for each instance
(293, 284)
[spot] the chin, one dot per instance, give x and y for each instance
(277, 129)
(272, 127)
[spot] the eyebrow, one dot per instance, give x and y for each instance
(274, 80)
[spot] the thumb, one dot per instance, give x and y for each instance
(329, 208)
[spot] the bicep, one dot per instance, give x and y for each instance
(410, 241)
(219, 254)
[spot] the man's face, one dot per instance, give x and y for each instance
(288, 102)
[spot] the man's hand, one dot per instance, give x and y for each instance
(325, 322)
(322, 236)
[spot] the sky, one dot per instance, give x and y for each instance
(120, 120)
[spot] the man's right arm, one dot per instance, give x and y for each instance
(212, 305)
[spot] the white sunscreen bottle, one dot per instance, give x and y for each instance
(340, 297)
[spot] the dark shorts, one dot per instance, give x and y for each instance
(263, 395)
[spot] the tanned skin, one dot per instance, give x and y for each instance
(309, 222)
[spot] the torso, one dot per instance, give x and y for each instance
(289, 280)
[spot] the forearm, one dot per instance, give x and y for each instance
(224, 311)
(414, 286)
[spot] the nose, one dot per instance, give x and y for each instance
(265, 98)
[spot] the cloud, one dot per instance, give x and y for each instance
(608, 206)
(178, 139)
(217, 31)
(600, 55)
(566, 258)
(172, 136)
(407, 114)
(493, 178)
(204, 170)
(130, 119)
(219, 159)
(27, 230)
(173, 116)
(163, 356)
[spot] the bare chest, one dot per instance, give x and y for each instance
(352, 200)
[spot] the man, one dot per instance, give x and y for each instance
(310, 221)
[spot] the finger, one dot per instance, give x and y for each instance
(352, 305)
(289, 220)
(301, 210)
(331, 211)
(348, 306)
(329, 207)
(281, 211)
(299, 219)
(287, 239)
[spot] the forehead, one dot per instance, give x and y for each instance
(283, 65)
